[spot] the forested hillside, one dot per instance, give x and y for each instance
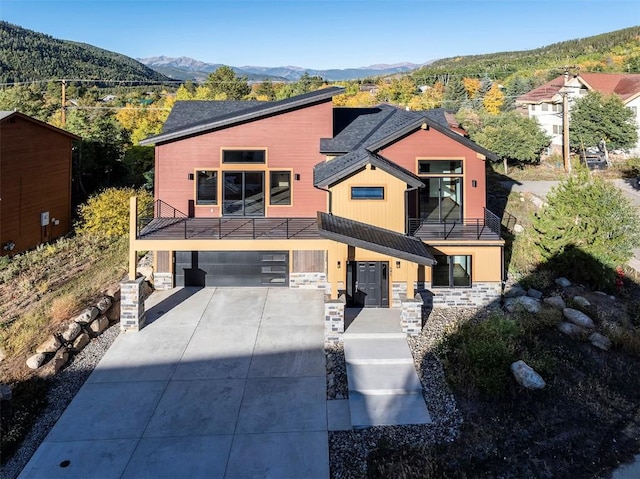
(26, 55)
(615, 52)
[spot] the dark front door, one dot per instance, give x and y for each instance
(370, 284)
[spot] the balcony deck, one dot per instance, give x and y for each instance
(429, 232)
(229, 228)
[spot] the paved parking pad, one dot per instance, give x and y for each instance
(222, 383)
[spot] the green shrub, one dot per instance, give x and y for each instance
(106, 214)
(587, 229)
(477, 355)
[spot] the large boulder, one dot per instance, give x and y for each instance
(72, 332)
(113, 313)
(87, 315)
(513, 291)
(99, 325)
(581, 301)
(529, 304)
(555, 302)
(534, 293)
(578, 317)
(526, 376)
(600, 341)
(104, 304)
(37, 360)
(80, 342)
(563, 282)
(55, 365)
(51, 345)
(571, 329)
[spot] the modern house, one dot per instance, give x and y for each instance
(545, 102)
(368, 204)
(35, 182)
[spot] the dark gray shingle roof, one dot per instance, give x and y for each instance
(191, 112)
(374, 238)
(252, 113)
(330, 172)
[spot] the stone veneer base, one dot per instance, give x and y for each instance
(132, 313)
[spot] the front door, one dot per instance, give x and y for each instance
(243, 193)
(370, 284)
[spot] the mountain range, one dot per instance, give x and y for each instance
(185, 68)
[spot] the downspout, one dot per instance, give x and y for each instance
(330, 198)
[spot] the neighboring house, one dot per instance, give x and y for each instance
(545, 102)
(35, 182)
(371, 203)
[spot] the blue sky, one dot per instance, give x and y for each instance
(319, 34)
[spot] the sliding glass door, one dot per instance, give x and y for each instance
(441, 199)
(243, 193)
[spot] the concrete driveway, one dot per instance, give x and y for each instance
(222, 383)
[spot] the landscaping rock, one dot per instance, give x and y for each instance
(51, 345)
(81, 341)
(113, 292)
(518, 228)
(100, 324)
(147, 289)
(571, 329)
(146, 271)
(555, 302)
(71, 332)
(581, 301)
(529, 304)
(538, 202)
(534, 293)
(526, 376)
(563, 282)
(113, 313)
(55, 365)
(514, 291)
(578, 317)
(600, 341)
(35, 361)
(104, 304)
(87, 315)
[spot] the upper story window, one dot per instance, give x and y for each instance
(280, 184)
(367, 193)
(557, 107)
(243, 156)
(439, 167)
(207, 187)
(545, 107)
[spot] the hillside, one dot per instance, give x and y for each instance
(615, 52)
(26, 55)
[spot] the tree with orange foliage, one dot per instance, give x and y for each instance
(493, 100)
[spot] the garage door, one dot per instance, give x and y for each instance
(231, 268)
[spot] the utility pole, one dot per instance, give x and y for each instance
(564, 91)
(63, 112)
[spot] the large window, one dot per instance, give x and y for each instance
(280, 188)
(243, 156)
(439, 167)
(441, 198)
(451, 271)
(367, 193)
(207, 187)
(243, 193)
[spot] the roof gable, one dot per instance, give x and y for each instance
(235, 115)
(7, 115)
(330, 172)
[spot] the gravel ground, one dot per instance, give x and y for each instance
(348, 450)
(63, 387)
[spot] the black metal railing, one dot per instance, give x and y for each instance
(474, 228)
(158, 209)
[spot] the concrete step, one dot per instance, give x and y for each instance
(348, 335)
(387, 410)
(377, 349)
(395, 378)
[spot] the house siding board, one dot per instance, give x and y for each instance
(433, 144)
(35, 163)
(292, 143)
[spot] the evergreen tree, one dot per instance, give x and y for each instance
(454, 94)
(223, 84)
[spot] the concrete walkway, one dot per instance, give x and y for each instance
(224, 383)
(384, 388)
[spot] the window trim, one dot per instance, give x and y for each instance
(290, 172)
(224, 150)
(462, 161)
(208, 203)
(451, 279)
(368, 198)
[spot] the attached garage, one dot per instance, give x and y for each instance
(231, 268)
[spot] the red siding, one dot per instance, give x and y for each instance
(35, 176)
(433, 144)
(292, 141)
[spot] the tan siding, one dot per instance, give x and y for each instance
(486, 262)
(387, 213)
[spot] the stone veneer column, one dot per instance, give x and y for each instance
(333, 321)
(132, 313)
(162, 281)
(411, 314)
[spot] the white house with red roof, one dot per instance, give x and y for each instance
(545, 102)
